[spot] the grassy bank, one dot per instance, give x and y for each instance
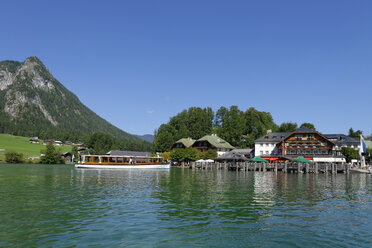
(22, 145)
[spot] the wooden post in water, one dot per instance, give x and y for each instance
(264, 167)
(326, 168)
(285, 167)
(316, 168)
(299, 168)
(307, 168)
(276, 167)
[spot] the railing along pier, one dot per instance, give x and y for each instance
(290, 167)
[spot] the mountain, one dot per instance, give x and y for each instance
(146, 137)
(34, 103)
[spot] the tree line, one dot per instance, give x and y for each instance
(239, 128)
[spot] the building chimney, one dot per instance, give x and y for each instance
(269, 131)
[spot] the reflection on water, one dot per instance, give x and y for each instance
(61, 206)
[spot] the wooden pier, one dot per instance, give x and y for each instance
(291, 167)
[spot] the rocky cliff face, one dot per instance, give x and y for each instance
(33, 102)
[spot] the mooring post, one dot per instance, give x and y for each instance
(316, 168)
(307, 168)
(276, 167)
(326, 168)
(285, 167)
(298, 167)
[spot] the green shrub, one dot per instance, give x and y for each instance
(184, 155)
(14, 157)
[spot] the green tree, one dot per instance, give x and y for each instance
(257, 124)
(350, 153)
(233, 125)
(210, 154)
(177, 155)
(369, 155)
(194, 123)
(287, 127)
(308, 125)
(51, 156)
(355, 134)
(191, 154)
(100, 143)
(163, 138)
(12, 157)
(166, 156)
(184, 155)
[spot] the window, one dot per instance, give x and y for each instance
(267, 152)
(104, 159)
(261, 152)
(95, 159)
(112, 159)
(119, 160)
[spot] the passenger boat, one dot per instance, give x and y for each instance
(121, 162)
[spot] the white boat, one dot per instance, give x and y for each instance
(121, 162)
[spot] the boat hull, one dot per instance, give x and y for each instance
(146, 166)
(358, 170)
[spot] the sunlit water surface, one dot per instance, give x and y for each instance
(60, 206)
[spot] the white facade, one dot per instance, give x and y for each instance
(267, 148)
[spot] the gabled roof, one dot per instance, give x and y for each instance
(216, 141)
(187, 142)
(306, 130)
(341, 138)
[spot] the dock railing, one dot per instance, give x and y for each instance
(290, 167)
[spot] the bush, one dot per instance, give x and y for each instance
(14, 157)
(350, 153)
(210, 154)
(184, 155)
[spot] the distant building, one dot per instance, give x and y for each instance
(304, 142)
(47, 141)
(67, 156)
(212, 142)
(57, 143)
(248, 153)
(34, 141)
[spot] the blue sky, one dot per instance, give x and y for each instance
(138, 63)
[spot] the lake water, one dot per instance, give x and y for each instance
(60, 206)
